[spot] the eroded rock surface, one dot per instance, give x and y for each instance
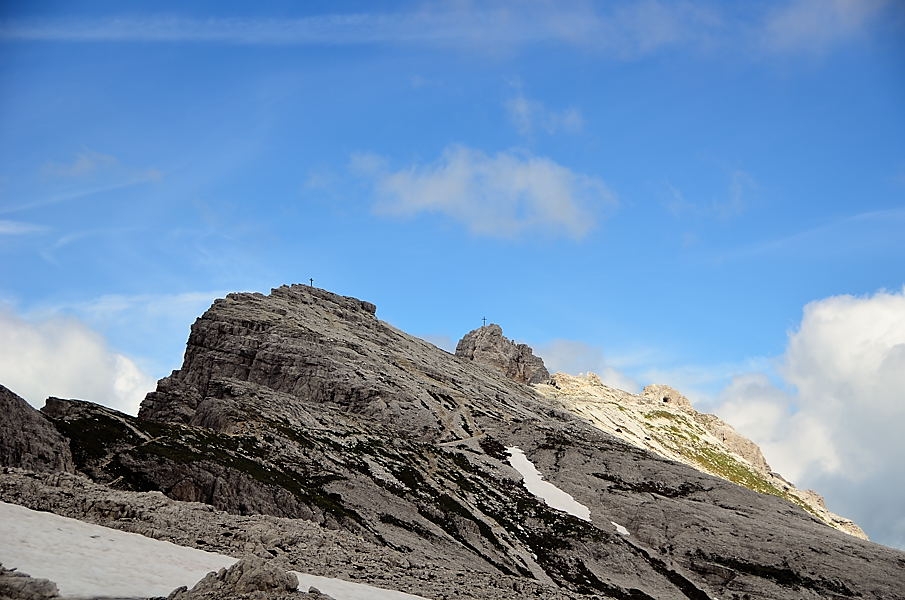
(488, 346)
(251, 578)
(27, 439)
(389, 455)
(663, 421)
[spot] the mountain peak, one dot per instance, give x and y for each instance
(488, 346)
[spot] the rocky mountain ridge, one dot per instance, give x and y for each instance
(662, 420)
(302, 407)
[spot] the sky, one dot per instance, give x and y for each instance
(704, 194)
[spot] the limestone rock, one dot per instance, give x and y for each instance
(487, 346)
(392, 456)
(251, 577)
(663, 421)
(27, 439)
(19, 586)
(666, 395)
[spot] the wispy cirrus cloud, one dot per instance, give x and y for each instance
(530, 116)
(87, 174)
(863, 233)
(815, 26)
(19, 227)
(85, 163)
(629, 29)
(623, 31)
(502, 195)
(732, 203)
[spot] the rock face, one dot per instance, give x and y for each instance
(27, 439)
(663, 421)
(487, 346)
(331, 439)
(249, 578)
(666, 395)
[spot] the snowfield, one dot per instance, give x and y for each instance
(546, 491)
(86, 560)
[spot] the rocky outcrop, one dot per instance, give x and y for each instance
(666, 395)
(27, 439)
(19, 586)
(301, 403)
(487, 346)
(249, 578)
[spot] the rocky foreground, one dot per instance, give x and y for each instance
(306, 432)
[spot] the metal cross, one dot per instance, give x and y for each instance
(311, 281)
(484, 319)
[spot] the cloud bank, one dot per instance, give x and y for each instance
(502, 195)
(64, 358)
(838, 428)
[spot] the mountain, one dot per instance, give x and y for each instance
(330, 442)
(663, 421)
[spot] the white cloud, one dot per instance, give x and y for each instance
(502, 195)
(62, 357)
(817, 25)
(841, 427)
(529, 116)
(153, 327)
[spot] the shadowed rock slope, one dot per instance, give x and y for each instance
(27, 439)
(301, 404)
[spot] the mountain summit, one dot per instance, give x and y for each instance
(327, 441)
(487, 345)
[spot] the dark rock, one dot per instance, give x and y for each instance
(487, 346)
(20, 586)
(27, 439)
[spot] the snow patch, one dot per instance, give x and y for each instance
(347, 590)
(86, 560)
(620, 529)
(546, 491)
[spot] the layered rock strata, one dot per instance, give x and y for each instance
(302, 405)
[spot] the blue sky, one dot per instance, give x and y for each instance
(652, 190)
